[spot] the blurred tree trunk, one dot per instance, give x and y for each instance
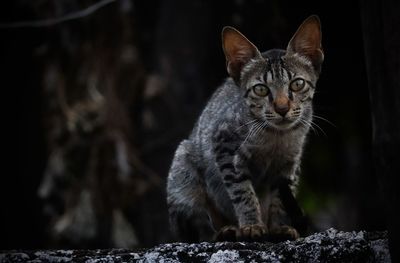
(381, 20)
(180, 76)
(95, 182)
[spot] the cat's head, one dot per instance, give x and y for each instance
(278, 84)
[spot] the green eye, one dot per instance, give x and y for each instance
(297, 84)
(260, 90)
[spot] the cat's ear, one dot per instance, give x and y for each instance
(306, 42)
(238, 51)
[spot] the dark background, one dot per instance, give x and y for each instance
(176, 64)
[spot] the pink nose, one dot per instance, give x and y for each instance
(281, 109)
(281, 105)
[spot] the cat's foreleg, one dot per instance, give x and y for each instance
(231, 162)
(281, 209)
(279, 224)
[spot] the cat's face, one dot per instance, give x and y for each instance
(279, 85)
(279, 89)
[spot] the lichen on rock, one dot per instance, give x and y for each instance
(328, 246)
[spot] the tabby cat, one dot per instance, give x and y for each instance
(226, 179)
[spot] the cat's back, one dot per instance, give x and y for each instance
(227, 96)
(225, 107)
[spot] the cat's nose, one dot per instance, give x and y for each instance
(281, 106)
(282, 110)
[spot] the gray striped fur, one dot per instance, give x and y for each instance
(227, 171)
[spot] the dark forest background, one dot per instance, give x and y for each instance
(103, 100)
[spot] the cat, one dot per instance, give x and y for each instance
(227, 181)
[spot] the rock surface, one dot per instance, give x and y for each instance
(328, 246)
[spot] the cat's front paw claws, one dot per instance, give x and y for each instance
(227, 233)
(256, 232)
(247, 233)
(283, 233)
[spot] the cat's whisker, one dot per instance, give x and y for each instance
(257, 132)
(253, 135)
(258, 129)
(304, 123)
(310, 125)
(247, 123)
(262, 127)
(316, 125)
(249, 134)
(313, 124)
(266, 124)
(327, 121)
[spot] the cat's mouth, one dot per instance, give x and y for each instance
(284, 123)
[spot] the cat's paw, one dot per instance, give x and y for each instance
(282, 233)
(227, 233)
(256, 232)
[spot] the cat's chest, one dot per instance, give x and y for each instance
(274, 157)
(262, 162)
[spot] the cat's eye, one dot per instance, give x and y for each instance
(260, 90)
(297, 84)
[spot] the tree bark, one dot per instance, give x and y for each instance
(380, 21)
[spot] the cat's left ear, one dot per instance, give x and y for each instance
(306, 42)
(238, 51)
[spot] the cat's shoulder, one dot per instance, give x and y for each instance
(227, 93)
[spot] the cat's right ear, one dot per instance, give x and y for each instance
(306, 42)
(238, 51)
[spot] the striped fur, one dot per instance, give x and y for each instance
(230, 169)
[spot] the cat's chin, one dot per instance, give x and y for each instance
(284, 124)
